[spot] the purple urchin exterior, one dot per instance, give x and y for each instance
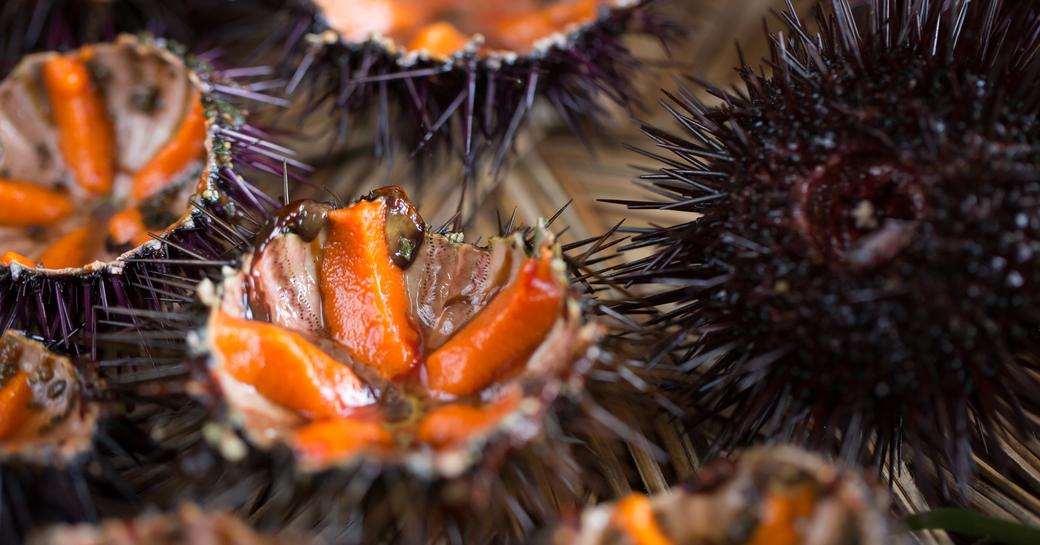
(471, 105)
(69, 307)
(865, 265)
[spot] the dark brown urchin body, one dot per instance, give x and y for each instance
(867, 258)
(472, 101)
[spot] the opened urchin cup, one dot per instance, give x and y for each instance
(382, 442)
(759, 496)
(113, 191)
(468, 89)
(431, 412)
(188, 525)
(859, 269)
(49, 425)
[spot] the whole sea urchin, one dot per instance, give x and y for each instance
(864, 274)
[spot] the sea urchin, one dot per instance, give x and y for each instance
(116, 158)
(865, 263)
(461, 72)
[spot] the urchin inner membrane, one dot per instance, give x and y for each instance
(100, 147)
(355, 333)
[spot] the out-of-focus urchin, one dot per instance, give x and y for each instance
(859, 271)
(419, 80)
(169, 148)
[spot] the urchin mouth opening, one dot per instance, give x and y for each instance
(443, 28)
(101, 146)
(857, 213)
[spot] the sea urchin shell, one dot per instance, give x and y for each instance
(189, 525)
(47, 430)
(459, 71)
(101, 147)
(764, 496)
(358, 357)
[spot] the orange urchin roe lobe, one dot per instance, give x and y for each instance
(286, 369)
(456, 424)
(15, 397)
(365, 297)
(502, 335)
(85, 134)
(71, 250)
(25, 204)
(329, 440)
(14, 257)
(186, 146)
(779, 522)
(440, 38)
(634, 517)
(444, 27)
(128, 227)
(357, 20)
(520, 33)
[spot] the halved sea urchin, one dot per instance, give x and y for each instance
(188, 525)
(863, 273)
(765, 496)
(464, 72)
(47, 430)
(376, 381)
(101, 147)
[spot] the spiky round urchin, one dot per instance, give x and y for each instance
(363, 65)
(30, 26)
(863, 271)
(359, 449)
(158, 149)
